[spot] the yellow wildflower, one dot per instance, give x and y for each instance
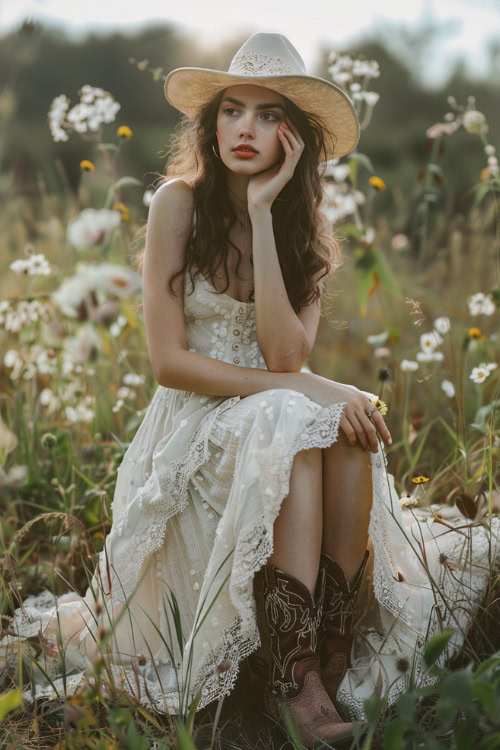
(380, 405)
(377, 182)
(122, 208)
(87, 165)
(124, 131)
(420, 479)
(474, 333)
(484, 174)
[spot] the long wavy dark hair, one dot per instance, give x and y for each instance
(306, 255)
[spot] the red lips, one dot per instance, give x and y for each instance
(245, 147)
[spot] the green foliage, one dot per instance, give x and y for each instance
(461, 707)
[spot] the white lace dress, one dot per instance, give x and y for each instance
(196, 497)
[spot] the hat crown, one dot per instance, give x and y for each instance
(266, 53)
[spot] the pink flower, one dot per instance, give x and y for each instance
(438, 129)
(382, 351)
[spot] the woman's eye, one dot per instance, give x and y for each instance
(229, 109)
(270, 114)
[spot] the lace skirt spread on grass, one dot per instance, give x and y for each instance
(171, 606)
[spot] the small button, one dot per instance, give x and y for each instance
(236, 346)
(236, 332)
(239, 318)
(236, 360)
(242, 310)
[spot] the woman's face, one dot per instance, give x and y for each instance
(250, 115)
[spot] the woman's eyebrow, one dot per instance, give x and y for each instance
(259, 106)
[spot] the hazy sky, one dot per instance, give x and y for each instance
(469, 22)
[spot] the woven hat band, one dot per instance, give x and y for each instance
(262, 65)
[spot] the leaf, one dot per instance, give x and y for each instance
(363, 280)
(385, 274)
(466, 733)
(126, 180)
(10, 701)
(107, 147)
(466, 505)
(458, 686)
(363, 160)
(482, 415)
(446, 710)
(184, 741)
(435, 647)
(394, 733)
(351, 230)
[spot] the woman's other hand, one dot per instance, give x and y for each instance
(265, 186)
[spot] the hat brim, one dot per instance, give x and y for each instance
(188, 89)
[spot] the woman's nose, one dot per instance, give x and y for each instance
(247, 127)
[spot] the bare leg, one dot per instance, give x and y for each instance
(347, 501)
(298, 528)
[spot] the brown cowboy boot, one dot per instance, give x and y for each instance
(294, 682)
(335, 632)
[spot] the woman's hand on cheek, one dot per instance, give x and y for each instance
(264, 187)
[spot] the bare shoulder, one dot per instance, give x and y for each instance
(171, 210)
(175, 192)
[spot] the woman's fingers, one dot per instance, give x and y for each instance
(293, 141)
(369, 430)
(294, 133)
(352, 429)
(381, 427)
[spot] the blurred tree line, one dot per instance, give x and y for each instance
(39, 63)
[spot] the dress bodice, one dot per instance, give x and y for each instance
(220, 326)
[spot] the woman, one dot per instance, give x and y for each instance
(241, 514)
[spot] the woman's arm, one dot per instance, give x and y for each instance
(282, 338)
(174, 366)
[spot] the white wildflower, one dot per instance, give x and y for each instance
(340, 172)
(84, 344)
(56, 117)
(429, 341)
(147, 197)
(442, 325)
(125, 391)
(82, 412)
(131, 378)
(408, 501)
(92, 227)
(370, 97)
(474, 122)
(71, 293)
(38, 265)
(19, 266)
(479, 374)
(12, 359)
(49, 399)
(409, 365)
(481, 304)
(113, 279)
(448, 387)
(490, 149)
(116, 408)
(430, 356)
(378, 338)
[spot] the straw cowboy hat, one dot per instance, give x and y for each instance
(270, 60)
